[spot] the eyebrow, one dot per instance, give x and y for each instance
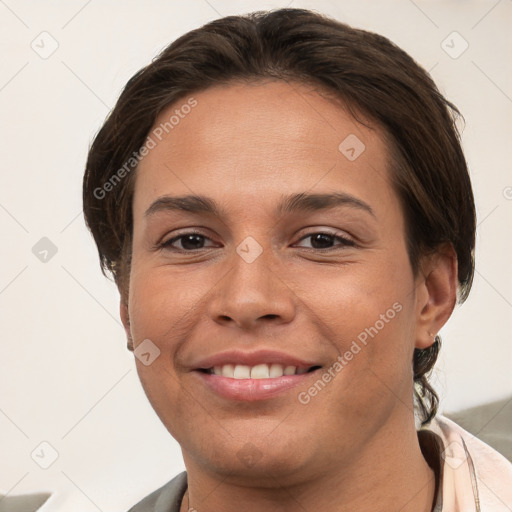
(300, 202)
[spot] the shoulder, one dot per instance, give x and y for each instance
(472, 470)
(166, 499)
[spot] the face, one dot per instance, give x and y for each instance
(295, 262)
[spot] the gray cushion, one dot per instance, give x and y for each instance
(23, 503)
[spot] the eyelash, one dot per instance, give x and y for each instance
(345, 242)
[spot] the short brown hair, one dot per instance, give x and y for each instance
(366, 71)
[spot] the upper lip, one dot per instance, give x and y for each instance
(251, 359)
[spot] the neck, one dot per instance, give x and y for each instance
(389, 474)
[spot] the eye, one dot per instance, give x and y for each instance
(189, 242)
(192, 241)
(324, 240)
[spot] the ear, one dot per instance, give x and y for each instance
(436, 294)
(125, 318)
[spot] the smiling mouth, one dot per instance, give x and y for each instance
(259, 371)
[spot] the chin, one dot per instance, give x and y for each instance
(262, 460)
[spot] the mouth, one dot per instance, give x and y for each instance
(263, 374)
(257, 371)
(263, 381)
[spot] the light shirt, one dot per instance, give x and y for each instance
(474, 476)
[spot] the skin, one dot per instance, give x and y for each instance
(354, 445)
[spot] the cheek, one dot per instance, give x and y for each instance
(162, 304)
(167, 307)
(352, 298)
(162, 310)
(368, 314)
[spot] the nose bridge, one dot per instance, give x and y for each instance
(254, 267)
(251, 290)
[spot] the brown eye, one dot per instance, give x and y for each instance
(188, 242)
(325, 241)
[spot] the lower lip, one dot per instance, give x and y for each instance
(251, 390)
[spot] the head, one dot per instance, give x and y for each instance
(248, 111)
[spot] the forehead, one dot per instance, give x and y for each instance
(245, 139)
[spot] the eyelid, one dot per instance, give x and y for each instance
(167, 242)
(346, 239)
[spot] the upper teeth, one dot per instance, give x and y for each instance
(259, 371)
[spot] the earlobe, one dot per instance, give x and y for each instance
(438, 297)
(125, 318)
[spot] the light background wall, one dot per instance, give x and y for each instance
(65, 375)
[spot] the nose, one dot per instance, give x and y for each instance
(253, 294)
